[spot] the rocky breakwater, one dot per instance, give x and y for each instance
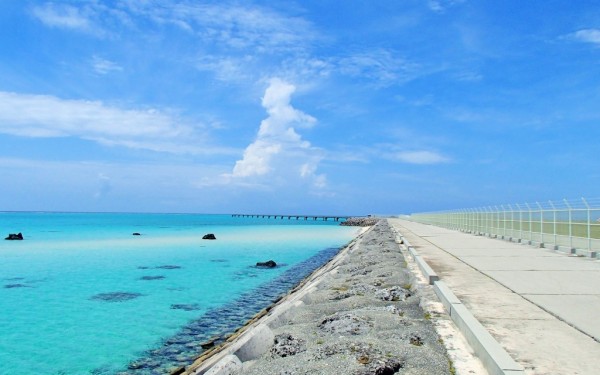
(361, 316)
(360, 221)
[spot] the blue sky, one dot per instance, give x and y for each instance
(319, 107)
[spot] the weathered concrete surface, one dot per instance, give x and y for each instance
(537, 303)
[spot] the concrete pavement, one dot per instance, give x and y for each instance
(540, 305)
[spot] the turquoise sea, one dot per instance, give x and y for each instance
(82, 295)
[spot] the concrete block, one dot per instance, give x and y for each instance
(255, 343)
(427, 271)
(446, 296)
(564, 249)
(229, 365)
(584, 252)
(413, 252)
(492, 355)
(307, 295)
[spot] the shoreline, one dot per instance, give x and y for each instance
(360, 313)
(206, 360)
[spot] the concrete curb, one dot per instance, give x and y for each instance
(494, 358)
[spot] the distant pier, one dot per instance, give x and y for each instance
(297, 217)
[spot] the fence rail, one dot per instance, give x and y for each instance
(571, 225)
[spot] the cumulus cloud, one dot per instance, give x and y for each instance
(279, 152)
(588, 36)
(30, 115)
(420, 157)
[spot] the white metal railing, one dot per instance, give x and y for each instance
(573, 224)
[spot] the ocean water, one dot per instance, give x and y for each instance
(82, 295)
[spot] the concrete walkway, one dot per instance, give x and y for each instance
(543, 307)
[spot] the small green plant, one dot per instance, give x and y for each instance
(320, 341)
(451, 367)
(427, 316)
(407, 286)
(341, 288)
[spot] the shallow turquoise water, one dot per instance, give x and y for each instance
(55, 286)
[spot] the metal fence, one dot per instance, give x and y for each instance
(570, 225)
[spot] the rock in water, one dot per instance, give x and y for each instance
(13, 237)
(209, 236)
(267, 264)
(136, 234)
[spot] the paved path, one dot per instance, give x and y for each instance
(542, 306)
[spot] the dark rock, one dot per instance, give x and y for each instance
(11, 286)
(152, 277)
(389, 367)
(267, 264)
(286, 345)
(185, 307)
(210, 342)
(168, 267)
(416, 340)
(13, 237)
(116, 296)
(136, 234)
(209, 236)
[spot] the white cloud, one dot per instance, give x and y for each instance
(440, 6)
(62, 16)
(103, 66)
(588, 35)
(104, 187)
(48, 116)
(420, 157)
(226, 69)
(279, 154)
(382, 66)
(236, 26)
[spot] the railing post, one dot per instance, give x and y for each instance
(589, 224)
(554, 221)
(503, 221)
(520, 221)
(512, 221)
(570, 225)
(541, 221)
(497, 221)
(530, 223)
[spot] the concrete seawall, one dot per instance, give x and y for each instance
(393, 315)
